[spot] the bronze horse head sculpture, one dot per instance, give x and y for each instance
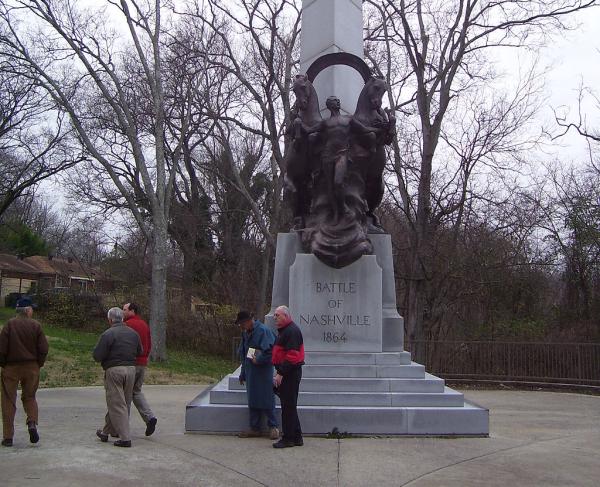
(303, 150)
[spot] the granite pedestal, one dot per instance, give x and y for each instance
(357, 378)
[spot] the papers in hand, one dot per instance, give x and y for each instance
(251, 353)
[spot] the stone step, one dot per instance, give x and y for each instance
(468, 420)
(440, 396)
(356, 358)
(429, 384)
(447, 398)
(413, 370)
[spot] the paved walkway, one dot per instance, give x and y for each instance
(537, 439)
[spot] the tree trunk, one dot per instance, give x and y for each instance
(415, 303)
(187, 278)
(421, 241)
(158, 292)
(264, 281)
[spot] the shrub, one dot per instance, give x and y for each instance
(10, 300)
(210, 331)
(79, 311)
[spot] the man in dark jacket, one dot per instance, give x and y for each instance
(117, 350)
(23, 351)
(133, 320)
(257, 374)
(288, 358)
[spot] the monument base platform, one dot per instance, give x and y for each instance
(352, 393)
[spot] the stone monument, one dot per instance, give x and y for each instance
(332, 27)
(335, 269)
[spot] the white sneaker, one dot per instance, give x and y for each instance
(274, 434)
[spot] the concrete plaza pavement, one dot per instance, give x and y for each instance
(536, 439)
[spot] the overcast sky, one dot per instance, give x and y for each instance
(573, 60)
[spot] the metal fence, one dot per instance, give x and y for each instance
(569, 363)
(235, 344)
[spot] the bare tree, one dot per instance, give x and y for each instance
(196, 87)
(447, 48)
(80, 61)
(579, 122)
(239, 241)
(259, 40)
(570, 202)
(35, 143)
(67, 231)
(188, 81)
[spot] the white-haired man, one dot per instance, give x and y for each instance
(288, 358)
(117, 350)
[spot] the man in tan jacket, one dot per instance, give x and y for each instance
(23, 351)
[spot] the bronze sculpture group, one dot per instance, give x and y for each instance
(334, 176)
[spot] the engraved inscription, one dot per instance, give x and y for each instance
(337, 309)
(336, 293)
(333, 320)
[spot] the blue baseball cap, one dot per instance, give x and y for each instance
(24, 302)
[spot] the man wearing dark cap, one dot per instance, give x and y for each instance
(23, 351)
(257, 374)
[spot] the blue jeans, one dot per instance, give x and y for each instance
(255, 417)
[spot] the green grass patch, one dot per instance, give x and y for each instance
(5, 314)
(70, 361)
(186, 362)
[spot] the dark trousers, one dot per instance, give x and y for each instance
(288, 396)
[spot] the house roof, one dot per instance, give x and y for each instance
(64, 267)
(39, 266)
(11, 263)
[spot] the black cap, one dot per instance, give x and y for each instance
(243, 316)
(24, 302)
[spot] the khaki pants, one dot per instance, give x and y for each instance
(118, 385)
(28, 374)
(139, 400)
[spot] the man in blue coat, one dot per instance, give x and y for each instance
(257, 374)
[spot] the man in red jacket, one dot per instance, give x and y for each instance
(133, 320)
(288, 358)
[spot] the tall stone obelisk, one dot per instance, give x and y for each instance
(357, 377)
(330, 26)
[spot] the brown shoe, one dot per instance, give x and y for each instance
(273, 434)
(249, 434)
